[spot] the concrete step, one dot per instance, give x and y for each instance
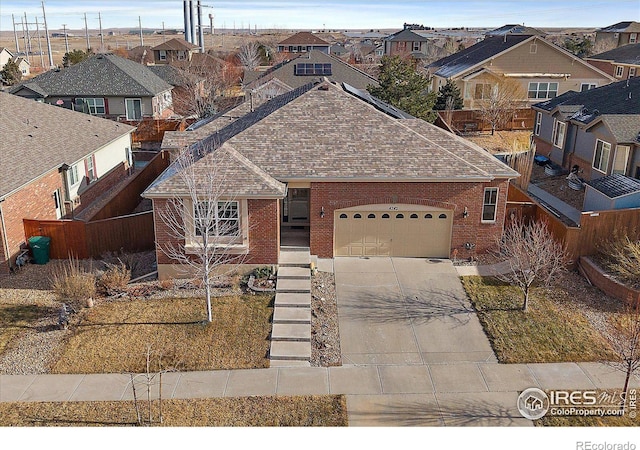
(289, 363)
(291, 332)
(291, 315)
(294, 272)
(300, 258)
(293, 299)
(297, 351)
(293, 285)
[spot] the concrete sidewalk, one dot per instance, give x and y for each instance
(377, 395)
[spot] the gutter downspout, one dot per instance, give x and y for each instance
(4, 235)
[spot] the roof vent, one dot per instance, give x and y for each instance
(596, 112)
(323, 87)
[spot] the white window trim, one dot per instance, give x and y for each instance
(595, 152)
(536, 129)
(627, 150)
(73, 173)
(416, 46)
(537, 89)
(126, 108)
(558, 125)
(162, 55)
(633, 38)
(232, 244)
(619, 71)
(632, 72)
(92, 105)
(90, 165)
(589, 86)
(495, 205)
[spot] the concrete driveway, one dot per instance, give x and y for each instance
(405, 311)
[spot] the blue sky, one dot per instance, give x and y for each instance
(329, 14)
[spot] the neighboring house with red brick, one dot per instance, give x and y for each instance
(622, 62)
(597, 130)
(359, 177)
(303, 42)
(617, 35)
(55, 162)
(103, 85)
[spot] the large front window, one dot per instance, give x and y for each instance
(601, 156)
(93, 106)
(218, 219)
(542, 90)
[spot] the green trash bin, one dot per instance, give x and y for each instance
(40, 248)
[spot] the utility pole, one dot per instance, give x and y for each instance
(200, 30)
(27, 41)
(164, 34)
(211, 27)
(86, 32)
(39, 44)
(66, 41)
(101, 36)
(15, 34)
(46, 32)
(140, 26)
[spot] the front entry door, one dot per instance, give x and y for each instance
(295, 209)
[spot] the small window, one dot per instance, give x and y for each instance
(357, 216)
(587, 86)
(343, 216)
(385, 216)
(442, 216)
(601, 156)
(371, 216)
(490, 204)
(90, 168)
(428, 216)
(399, 216)
(633, 37)
(619, 71)
(163, 55)
(533, 48)
(73, 175)
(559, 130)
(416, 46)
(632, 72)
(536, 130)
(413, 216)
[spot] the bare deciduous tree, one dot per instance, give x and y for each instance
(249, 55)
(624, 337)
(532, 255)
(203, 218)
(498, 107)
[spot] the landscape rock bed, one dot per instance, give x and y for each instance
(325, 336)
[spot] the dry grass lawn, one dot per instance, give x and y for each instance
(589, 421)
(317, 411)
(552, 330)
(114, 336)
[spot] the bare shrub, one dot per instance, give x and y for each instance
(71, 282)
(623, 259)
(115, 278)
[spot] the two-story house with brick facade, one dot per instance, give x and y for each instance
(54, 162)
(362, 179)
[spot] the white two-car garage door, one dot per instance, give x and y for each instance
(393, 230)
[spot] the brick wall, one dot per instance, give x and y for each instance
(34, 201)
(455, 196)
(102, 185)
(607, 284)
(542, 147)
(264, 234)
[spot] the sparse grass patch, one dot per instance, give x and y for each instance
(317, 411)
(71, 282)
(589, 421)
(14, 318)
(113, 336)
(552, 330)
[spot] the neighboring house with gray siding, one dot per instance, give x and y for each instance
(103, 85)
(597, 130)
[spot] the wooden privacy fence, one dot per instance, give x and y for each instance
(82, 240)
(596, 227)
(465, 121)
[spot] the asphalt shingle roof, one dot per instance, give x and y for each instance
(457, 63)
(515, 29)
(627, 54)
(175, 44)
(622, 27)
(303, 38)
(622, 97)
(406, 36)
(615, 185)
(325, 133)
(170, 74)
(37, 137)
(341, 72)
(103, 75)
